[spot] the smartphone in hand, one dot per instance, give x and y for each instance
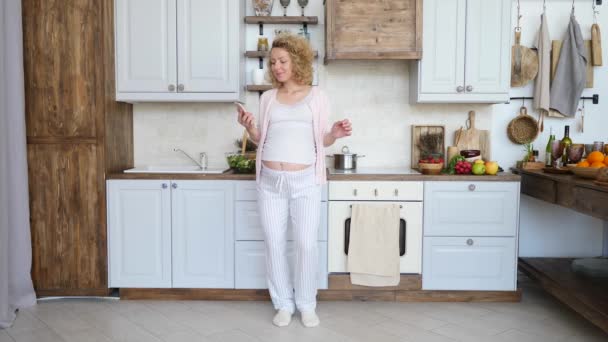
(240, 105)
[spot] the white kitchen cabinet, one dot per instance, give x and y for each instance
(467, 52)
(250, 264)
(139, 233)
(171, 233)
(471, 208)
(202, 234)
(179, 50)
(249, 227)
(470, 236)
(469, 263)
(250, 258)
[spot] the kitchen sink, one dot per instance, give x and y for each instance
(175, 169)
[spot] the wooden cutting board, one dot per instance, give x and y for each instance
(473, 138)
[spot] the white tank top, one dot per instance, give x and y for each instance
(290, 136)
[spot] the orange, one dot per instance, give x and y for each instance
(606, 160)
(595, 156)
(598, 165)
(583, 163)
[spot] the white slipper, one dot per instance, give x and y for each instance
(282, 318)
(310, 319)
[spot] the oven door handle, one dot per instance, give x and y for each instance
(402, 235)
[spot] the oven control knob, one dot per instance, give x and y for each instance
(376, 192)
(396, 192)
(470, 242)
(471, 187)
(354, 192)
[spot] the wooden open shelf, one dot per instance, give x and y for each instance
(281, 20)
(264, 54)
(587, 296)
(263, 87)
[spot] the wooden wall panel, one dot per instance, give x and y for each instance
(63, 67)
(68, 245)
(117, 131)
(76, 133)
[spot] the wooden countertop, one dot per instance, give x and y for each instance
(564, 179)
(502, 177)
(230, 175)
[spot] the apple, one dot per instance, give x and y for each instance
(491, 167)
(478, 169)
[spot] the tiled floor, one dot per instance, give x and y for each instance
(537, 318)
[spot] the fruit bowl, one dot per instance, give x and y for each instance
(430, 168)
(584, 172)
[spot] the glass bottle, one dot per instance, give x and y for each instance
(566, 142)
(548, 150)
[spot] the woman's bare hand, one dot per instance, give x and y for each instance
(341, 129)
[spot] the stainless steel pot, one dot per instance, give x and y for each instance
(345, 160)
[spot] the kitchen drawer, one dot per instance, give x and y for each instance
(248, 226)
(469, 263)
(378, 190)
(471, 208)
(250, 264)
(246, 191)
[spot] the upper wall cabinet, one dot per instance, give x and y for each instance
(362, 29)
(467, 52)
(179, 50)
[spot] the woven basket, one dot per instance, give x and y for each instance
(523, 129)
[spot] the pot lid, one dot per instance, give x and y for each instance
(345, 151)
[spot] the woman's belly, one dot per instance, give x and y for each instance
(283, 166)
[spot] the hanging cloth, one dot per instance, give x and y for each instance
(571, 73)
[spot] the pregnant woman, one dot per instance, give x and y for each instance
(292, 134)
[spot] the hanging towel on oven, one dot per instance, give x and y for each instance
(373, 251)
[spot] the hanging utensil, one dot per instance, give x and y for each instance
(582, 110)
(596, 40)
(244, 142)
(524, 61)
(522, 129)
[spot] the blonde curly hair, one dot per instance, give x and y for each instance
(301, 58)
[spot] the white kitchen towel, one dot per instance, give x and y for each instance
(542, 84)
(373, 252)
(571, 73)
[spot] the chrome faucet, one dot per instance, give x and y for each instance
(203, 158)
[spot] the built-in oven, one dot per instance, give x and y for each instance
(408, 195)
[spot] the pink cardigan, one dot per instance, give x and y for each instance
(319, 106)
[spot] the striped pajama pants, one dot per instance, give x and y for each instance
(290, 197)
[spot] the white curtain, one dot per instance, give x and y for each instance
(16, 289)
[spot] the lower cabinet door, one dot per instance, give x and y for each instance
(203, 234)
(469, 263)
(250, 264)
(139, 233)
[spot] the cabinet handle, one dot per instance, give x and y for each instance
(471, 187)
(174, 185)
(354, 192)
(171, 87)
(164, 186)
(470, 242)
(469, 88)
(460, 89)
(396, 192)
(376, 192)
(180, 87)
